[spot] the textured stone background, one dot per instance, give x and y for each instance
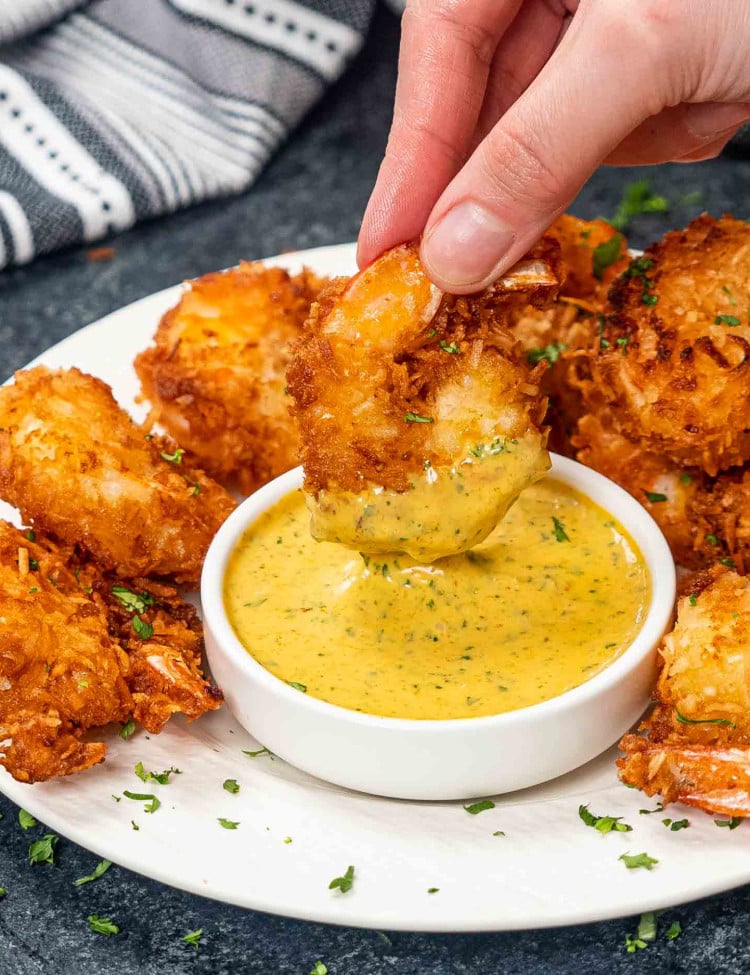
(313, 193)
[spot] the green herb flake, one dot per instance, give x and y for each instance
(30, 535)
(655, 498)
(127, 729)
(3, 892)
(637, 199)
(433, 890)
(193, 937)
(633, 944)
(560, 534)
(686, 479)
(623, 343)
(416, 418)
(729, 563)
(134, 825)
(647, 927)
(228, 823)
(26, 820)
(345, 883)
(730, 320)
(603, 343)
(732, 823)
(712, 540)
(152, 803)
(647, 812)
(260, 752)
(451, 349)
(302, 687)
(174, 458)
(102, 925)
(99, 870)
(134, 602)
(676, 824)
(673, 931)
(720, 721)
(476, 807)
(43, 850)
(693, 599)
(231, 785)
(603, 824)
(161, 777)
(142, 629)
(549, 353)
(635, 860)
(606, 254)
(319, 969)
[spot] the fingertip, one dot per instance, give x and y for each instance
(467, 248)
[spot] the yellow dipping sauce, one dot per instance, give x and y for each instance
(552, 597)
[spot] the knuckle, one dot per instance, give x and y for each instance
(460, 19)
(514, 163)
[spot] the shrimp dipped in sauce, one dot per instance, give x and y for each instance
(420, 418)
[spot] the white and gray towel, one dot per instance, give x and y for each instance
(112, 111)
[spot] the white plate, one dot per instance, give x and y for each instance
(548, 869)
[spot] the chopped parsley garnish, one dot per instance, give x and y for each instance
(127, 729)
(142, 629)
(43, 850)
(623, 343)
(26, 820)
(416, 418)
(604, 824)
(259, 752)
(728, 293)
(193, 937)
(345, 883)
(102, 925)
(175, 458)
(34, 565)
(319, 969)
(3, 892)
(654, 497)
(30, 535)
(451, 348)
(161, 777)
(635, 860)
(99, 870)
(152, 803)
(231, 785)
(686, 479)
(645, 934)
(481, 806)
(560, 534)
(730, 320)
(649, 299)
(134, 825)
(732, 823)
(673, 931)
(712, 540)
(634, 943)
(647, 812)
(676, 824)
(722, 721)
(549, 353)
(729, 563)
(606, 254)
(134, 602)
(228, 823)
(637, 269)
(433, 890)
(302, 687)
(603, 343)
(693, 599)
(637, 199)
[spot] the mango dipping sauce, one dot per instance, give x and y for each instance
(552, 597)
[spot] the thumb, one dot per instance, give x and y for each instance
(600, 84)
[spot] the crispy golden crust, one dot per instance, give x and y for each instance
(76, 465)
(675, 358)
(704, 519)
(215, 375)
(697, 744)
(71, 660)
(385, 346)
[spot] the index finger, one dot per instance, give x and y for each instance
(446, 51)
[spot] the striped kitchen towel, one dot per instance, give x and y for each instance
(116, 110)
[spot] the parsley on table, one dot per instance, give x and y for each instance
(721, 721)
(231, 785)
(560, 534)
(645, 935)
(637, 199)
(476, 807)
(127, 729)
(654, 497)
(603, 824)
(732, 823)
(673, 931)
(26, 820)
(43, 850)
(193, 937)
(730, 320)
(259, 752)
(228, 823)
(345, 883)
(161, 777)
(142, 628)
(416, 418)
(635, 860)
(3, 892)
(676, 824)
(99, 870)
(152, 803)
(102, 925)
(549, 353)
(134, 602)
(647, 812)
(433, 890)
(134, 825)
(319, 969)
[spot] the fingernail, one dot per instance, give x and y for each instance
(467, 246)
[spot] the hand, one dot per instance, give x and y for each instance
(504, 108)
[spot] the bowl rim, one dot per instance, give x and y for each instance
(633, 517)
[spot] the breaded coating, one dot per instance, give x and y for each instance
(697, 744)
(563, 334)
(215, 375)
(76, 465)
(61, 672)
(704, 519)
(406, 397)
(80, 649)
(674, 356)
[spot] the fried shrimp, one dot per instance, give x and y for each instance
(419, 416)
(704, 519)
(76, 465)
(215, 375)
(674, 356)
(697, 744)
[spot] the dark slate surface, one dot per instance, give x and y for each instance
(313, 193)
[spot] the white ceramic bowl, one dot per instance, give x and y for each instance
(448, 759)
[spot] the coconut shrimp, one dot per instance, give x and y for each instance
(420, 418)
